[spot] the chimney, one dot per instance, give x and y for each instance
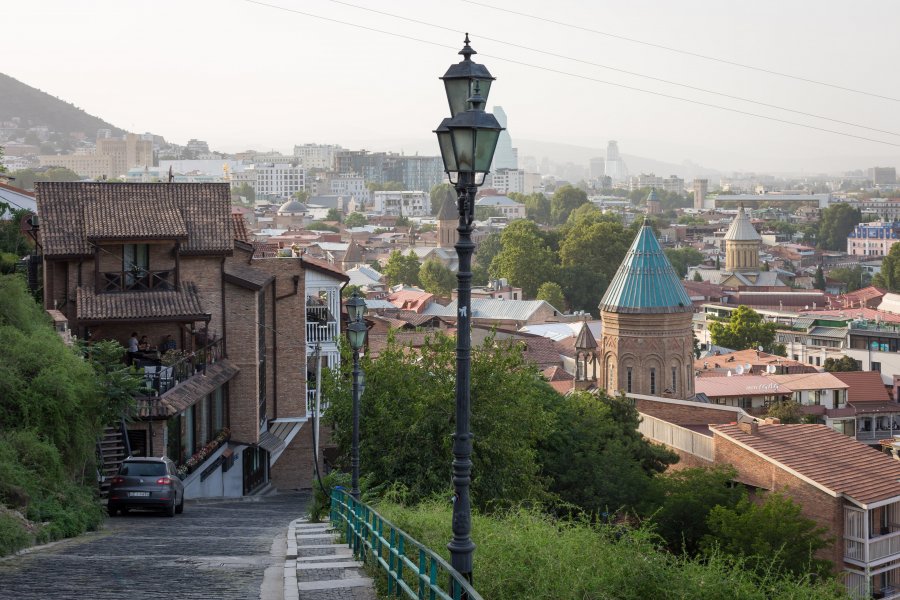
(751, 428)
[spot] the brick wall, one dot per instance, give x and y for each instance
(241, 340)
(819, 506)
(681, 414)
(294, 468)
(205, 272)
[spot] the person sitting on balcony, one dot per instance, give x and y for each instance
(144, 344)
(133, 342)
(168, 344)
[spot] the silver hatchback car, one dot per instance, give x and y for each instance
(146, 482)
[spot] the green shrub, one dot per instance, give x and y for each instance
(525, 554)
(13, 535)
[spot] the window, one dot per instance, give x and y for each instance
(876, 366)
(135, 263)
(652, 380)
(674, 380)
(628, 379)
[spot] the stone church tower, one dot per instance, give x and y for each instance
(742, 243)
(448, 221)
(647, 342)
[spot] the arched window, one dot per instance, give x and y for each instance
(652, 380)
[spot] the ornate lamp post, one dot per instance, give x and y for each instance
(467, 140)
(356, 332)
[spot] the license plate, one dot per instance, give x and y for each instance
(139, 494)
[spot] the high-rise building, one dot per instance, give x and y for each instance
(505, 157)
(597, 167)
(278, 181)
(883, 175)
(701, 187)
(615, 165)
(316, 156)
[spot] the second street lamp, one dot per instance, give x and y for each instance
(356, 333)
(467, 142)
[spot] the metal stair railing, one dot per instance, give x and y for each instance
(412, 569)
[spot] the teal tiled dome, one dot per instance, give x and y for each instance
(646, 281)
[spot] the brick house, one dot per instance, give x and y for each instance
(226, 327)
(841, 484)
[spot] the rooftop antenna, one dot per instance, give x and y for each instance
(171, 174)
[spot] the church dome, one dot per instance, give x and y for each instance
(742, 230)
(646, 282)
(292, 207)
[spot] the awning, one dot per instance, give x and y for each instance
(191, 391)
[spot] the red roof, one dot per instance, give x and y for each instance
(865, 386)
(829, 460)
(739, 385)
(414, 300)
(869, 314)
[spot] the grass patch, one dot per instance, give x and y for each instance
(526, 554)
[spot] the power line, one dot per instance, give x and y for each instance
(685, 52)
(578, 76)
(617, 69)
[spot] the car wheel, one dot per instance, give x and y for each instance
(112, 509)
(180, 508)
(170, 510)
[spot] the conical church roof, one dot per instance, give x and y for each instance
(448, 211)
(646, 281)
(742, 229)
(585, 338)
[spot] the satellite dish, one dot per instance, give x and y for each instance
(770, 369)
(747, 367)
(760, 348)
(729, 372)
(739, 370)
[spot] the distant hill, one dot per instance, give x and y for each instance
(35, 107)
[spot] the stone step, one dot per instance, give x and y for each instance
(351, 582)
(351, 564)
(325, 557)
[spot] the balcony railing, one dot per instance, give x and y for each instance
(676, 436)
(321, 332)
(138, 281)
(311, 403)
(159, 379)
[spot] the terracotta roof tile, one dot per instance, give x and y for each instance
(739, 385)
(240, 227)
(73, 213)
(246, 276)
(188, 393)
(865, 386)
(832, 460)
(129, 306)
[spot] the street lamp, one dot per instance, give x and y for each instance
(356, 332)
(467, 141)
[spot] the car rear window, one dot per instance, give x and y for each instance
(143, 469)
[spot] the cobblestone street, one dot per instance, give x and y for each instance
(217, 550)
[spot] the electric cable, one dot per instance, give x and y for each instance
(617, 69)
(586, 78)
(685, 52)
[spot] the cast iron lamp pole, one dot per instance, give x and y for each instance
(467, 141)
(356, 332)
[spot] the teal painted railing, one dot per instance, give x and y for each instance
(412, 569)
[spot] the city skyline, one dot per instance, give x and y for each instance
(239, 75)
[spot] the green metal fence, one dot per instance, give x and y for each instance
(412, 570)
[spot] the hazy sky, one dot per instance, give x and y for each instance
(240, 75)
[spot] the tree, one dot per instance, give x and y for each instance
(552, 293)
(565, 200)
(683, 258)
(402, 269)
(333, 215)
(772, 536)
(853, 278)
(436, 278)
(409, 404)
(439, 193)
(819, 283)
(302, 196)
(321, 226)
(698, 276)
(838, 220)
(839, 365)
(590, 254)
(483, 213)
(537, 206)
(245, 190)
(595, 457)
(26, 178)
(787, 411)
(745, 329)
(355, 219)
(524, 258)
(679, 504)
(387, 186)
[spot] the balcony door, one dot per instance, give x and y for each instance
(135, 263)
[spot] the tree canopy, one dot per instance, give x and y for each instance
(355, 219)
(842, 364)
(683, 258)
(402, 269)
(565, 199)
(745, 329)
(837, 221)
(552, 293)
(436, 278)
(524, 258)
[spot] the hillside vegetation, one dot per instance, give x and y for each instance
(36, 107)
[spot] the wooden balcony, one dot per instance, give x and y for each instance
(137, 281)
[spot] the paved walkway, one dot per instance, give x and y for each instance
(318, 568)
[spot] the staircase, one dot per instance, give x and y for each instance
(112, 449)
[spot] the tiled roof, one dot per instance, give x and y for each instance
(492, 308)
(246, 276)
(324, 267)
(585, 338)
(869, 314)
(832, 460)
(354, 253)
(739, 385)
(742, 229)
(188, 393)
(756, 360)
(73, 213)
(865, 386)
(240, 227)
(810, 381)
(140, 218)
(557, 373)
(646, 281)
(182, 305)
